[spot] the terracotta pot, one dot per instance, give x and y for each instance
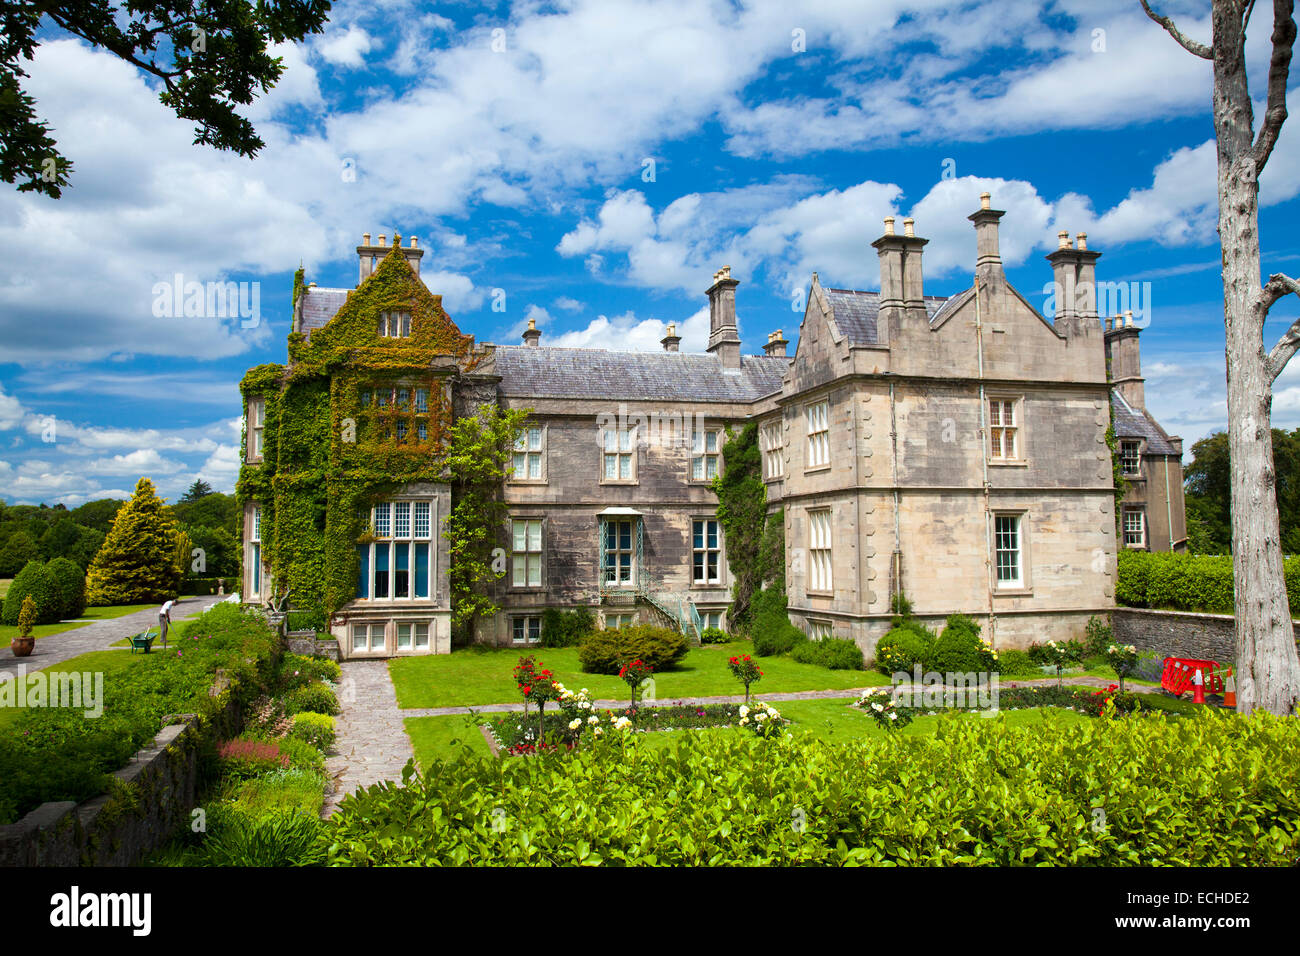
(22, 646)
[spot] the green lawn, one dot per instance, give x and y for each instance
(476, 676)
(92, 661)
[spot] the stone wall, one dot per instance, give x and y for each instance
(1177, 633)
(151, 798)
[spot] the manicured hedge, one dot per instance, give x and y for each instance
(35, 580)
(61, 754)
(833, 653)
(1186, 582)
(974, 793)
(604, 652)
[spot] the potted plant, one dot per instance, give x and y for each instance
(22, 644)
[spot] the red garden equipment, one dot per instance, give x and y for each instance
(1183, 673)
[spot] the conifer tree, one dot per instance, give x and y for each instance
(137, 562)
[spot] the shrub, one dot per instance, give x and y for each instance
(26, 618)
(1016, 663)
(314, 697)
(36, 581)
(714, 635)
(959, 650)
(315, 729)
(905, 645)
(244, 758)
(1100, 637)
(70, 582)
(976, 793)
(774, 636)
(306, 619)
(285, 838)
(606, 651)
(302, 754)
(566, 628)
(290, 789)
(297, 670)
(833, 653)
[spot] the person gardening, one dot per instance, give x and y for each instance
(165, 620)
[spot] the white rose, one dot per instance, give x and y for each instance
(575, 724)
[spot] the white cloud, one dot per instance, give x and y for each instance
(345, 47)
(142, 461)
(627, 333)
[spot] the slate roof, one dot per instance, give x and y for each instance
(319, 306)
(1131, 422)
(543, 372)
(855, 312)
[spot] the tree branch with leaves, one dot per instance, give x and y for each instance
(209, 56)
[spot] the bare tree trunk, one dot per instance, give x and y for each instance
(1268, 671)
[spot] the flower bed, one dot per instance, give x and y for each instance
(516, 734)
(880, 705)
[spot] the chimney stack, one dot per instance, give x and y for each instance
(776, 344)
(724, 334)
(370, 255)
(1124, 359)
(900, 273)
(672, 340)
(988, 257)
(532, 335)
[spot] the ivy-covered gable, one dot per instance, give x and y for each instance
(353, 334)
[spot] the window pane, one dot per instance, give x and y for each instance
(381, 571)
(421, 519)
(422, 569)
(403, 636)
(534, 536)
(625, 466)
(520, 569)
(534, 466)
(421, 635)
(402, 519)
(402, 574)
(535, 572)
(381, 520)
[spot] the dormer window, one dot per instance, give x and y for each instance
(395, 325)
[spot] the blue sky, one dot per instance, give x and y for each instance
(515, 142)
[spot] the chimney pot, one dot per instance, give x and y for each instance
(889, 225)
(672, 340)
(1083, 240)
(413, 243)
(365, 238)
(383, 241)
(986, 200)
(908, 225)
(1063, 240)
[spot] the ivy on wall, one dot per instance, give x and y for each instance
(755, 539)
(331, 447)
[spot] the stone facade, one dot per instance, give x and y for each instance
(952, 449)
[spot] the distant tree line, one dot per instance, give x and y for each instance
(46, 532)
(1209, 498)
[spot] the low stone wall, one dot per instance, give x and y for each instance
(1178, 633)
(309, 645)
(151, 799)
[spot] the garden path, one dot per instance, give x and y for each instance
(99, 636)
(847, 693)
(370, 739)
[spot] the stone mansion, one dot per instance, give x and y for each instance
(950, 448)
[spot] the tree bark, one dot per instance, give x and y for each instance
(1268, 673)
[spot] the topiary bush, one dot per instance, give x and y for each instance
(316, 729)
(566, 628)
(714, 635)
(70, 581)
(36, 581)
(314, 697)
(904, 646)
(605, 651)
(833, 653)
(959, 649)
